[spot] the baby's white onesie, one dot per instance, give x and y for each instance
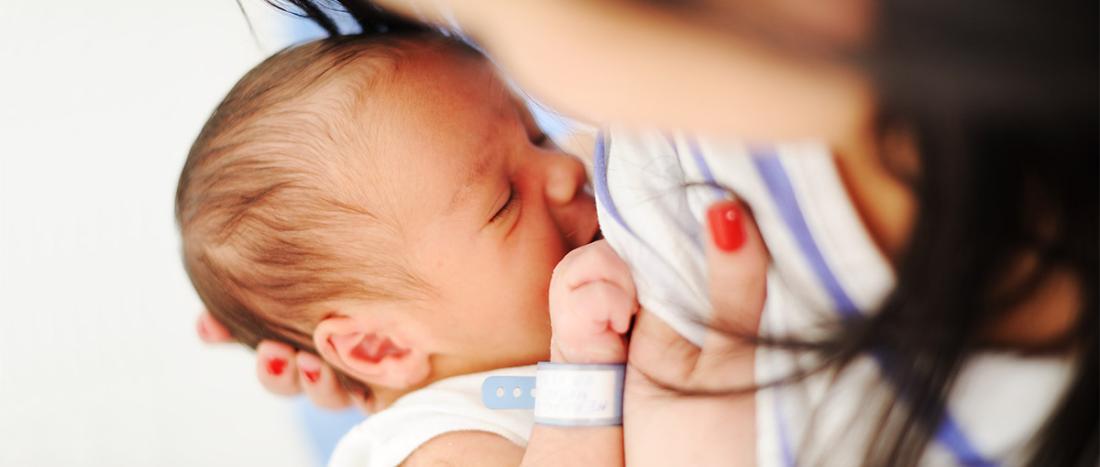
(386, 438)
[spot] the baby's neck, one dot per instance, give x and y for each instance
(382, 398)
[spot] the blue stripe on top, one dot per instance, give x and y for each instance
(767, 163)
(603, 194)
(779, 186)
(704, 169)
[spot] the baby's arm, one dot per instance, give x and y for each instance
(592, 301)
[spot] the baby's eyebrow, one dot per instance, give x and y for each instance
(488, 153)
(468, 184)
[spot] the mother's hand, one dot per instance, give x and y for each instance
(678, 409)
(285, 371)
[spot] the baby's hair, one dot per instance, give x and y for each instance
(270, 206)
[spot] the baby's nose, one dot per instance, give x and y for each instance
(564, 177)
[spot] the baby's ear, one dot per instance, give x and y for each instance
(372, 350)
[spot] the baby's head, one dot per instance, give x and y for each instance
(386, 203)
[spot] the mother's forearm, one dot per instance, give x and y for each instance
(631, 63)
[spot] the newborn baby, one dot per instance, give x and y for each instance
(391, 206)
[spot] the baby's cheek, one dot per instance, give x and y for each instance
(535, 337)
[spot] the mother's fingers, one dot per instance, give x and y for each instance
(284, 371)
(210, 330)
(737, 263)
(660, 353)
(277, 368)
(319, 383)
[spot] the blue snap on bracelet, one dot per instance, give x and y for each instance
(508, 392)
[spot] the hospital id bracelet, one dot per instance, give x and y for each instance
(562, 394)
(579, 395)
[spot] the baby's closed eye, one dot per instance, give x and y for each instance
(509, 204)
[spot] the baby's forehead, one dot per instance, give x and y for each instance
(411, 132)
(421, 83)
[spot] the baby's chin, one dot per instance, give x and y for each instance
(586, 238)
(597, 237)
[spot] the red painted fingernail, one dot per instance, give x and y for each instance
(726, 226)
(276, 366)
(312, 376)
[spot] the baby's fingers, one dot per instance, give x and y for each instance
(276, 368)
(602, 306)
(596, 261)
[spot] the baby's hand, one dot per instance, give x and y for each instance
(592, 301)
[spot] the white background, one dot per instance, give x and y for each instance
(99, 363)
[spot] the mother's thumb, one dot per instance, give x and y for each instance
(737, 263)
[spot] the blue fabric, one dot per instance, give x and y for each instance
(779, 186)
(603, 193)
(552, 124)
(708, 176)
(949, 434)
(324, 428)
